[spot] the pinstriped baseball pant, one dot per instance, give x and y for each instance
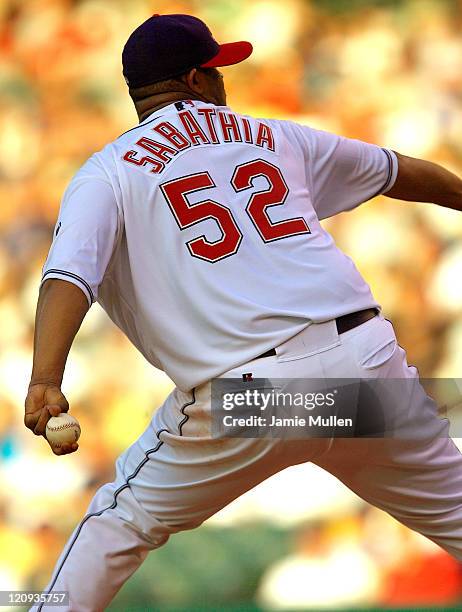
(176, 475)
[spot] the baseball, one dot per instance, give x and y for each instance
(62, 429)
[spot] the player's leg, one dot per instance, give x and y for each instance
(416, 476)
(110, 542)
(104, 550)
(171, 479)
(175, 476)
(420, 484)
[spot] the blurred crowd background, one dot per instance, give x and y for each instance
(388, 72)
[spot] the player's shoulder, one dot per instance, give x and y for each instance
(96, 167)
(91, 174)
(295, 134)
(299, 129)
(310, 134)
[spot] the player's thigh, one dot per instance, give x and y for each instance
(414, 469)
(415, 475)
(184, 483)
(418, 483)
(181, 477)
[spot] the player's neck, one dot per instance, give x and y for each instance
(150, 105)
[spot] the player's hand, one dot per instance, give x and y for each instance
(43, 401)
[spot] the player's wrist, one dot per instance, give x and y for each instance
(45, 381)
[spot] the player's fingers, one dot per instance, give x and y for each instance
(40, 397)
(46, 413)
(33, 408)
(34, 399)
(54, 410)
(55, 397)
(40, 426)
(30, 420)
(66, 448)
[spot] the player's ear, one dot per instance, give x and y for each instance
(195, 80)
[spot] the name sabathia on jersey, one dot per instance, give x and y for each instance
(220, 127)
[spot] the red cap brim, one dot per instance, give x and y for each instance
(229, 54)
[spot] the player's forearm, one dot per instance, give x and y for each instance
(423, 181)
(60, 311)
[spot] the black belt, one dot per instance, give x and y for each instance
(343, 323)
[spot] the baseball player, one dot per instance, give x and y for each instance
(198, 231)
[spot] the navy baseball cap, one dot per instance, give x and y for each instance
(167, 46)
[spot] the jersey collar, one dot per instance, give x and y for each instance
(179, 105)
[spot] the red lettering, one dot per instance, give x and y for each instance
(261, 201)
(265, 135)
(187, 215)
(174, 136)
(161, 151)
(157, 166)
(208, 113)
(228, 124)
(247, 130)
(193, 129)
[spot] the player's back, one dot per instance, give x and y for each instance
(222, 255)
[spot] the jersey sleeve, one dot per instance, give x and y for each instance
(345, 172)
(85, 235)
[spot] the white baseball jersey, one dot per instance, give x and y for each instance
(198, 233)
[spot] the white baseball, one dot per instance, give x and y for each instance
(62, 429)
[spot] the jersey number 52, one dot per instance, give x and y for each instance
(186, 214)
